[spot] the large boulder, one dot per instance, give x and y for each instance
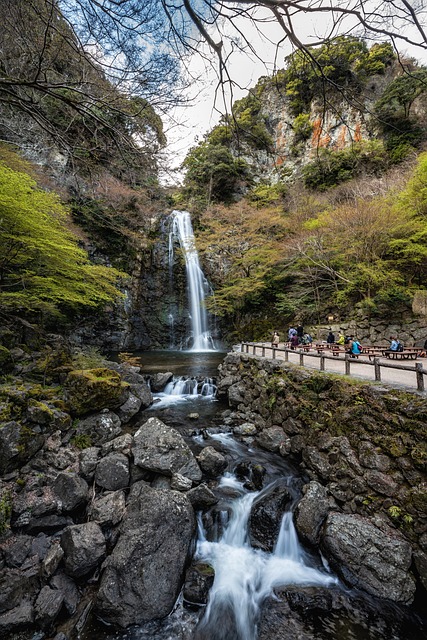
(144, 574)
(368, 557)
(18, 443)
(108, 509)
(94, 389)
(311, 512)
(159, 380)
(100, 427)
(71, 490)
(212, 462)
(130, 408)
(84, 548)
(162, 449)
(112, 472)
(266, 518)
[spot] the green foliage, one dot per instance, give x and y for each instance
(89, 358)
(264, 195)
(302, 127)
(400, 128)
(81, 441)
(339, 66)
(213, 174)
(42, 267)
(333, 167)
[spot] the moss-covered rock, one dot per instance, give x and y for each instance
(94, 389)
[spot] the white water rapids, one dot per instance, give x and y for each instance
(244, 576)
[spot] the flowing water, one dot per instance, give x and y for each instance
(246, 577)
(198, 286)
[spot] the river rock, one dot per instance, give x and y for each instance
(272, 438)
(162, 449)
(121, 444)
(94, 389)
(251, 473)
(198, 581)
(68, 589)
(52, 559)
(88, 460)
(266, 518)
(143, 392)
(311, 512)
(18, 444)
(130, 408)
(108, 509)
(212, 462)
(143, 575)
(70, 490)
(20, 617)
(201, 497)
(245, 429)
(15, 585)
(16, 549)
(112, 472)
(158, 381)
(374, 559)
(84, 548)
(180, 483)
(47, 606)
(100, 427)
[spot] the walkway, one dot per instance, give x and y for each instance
(401, 375)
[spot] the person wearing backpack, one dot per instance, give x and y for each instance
(355, 348)
(395, 345)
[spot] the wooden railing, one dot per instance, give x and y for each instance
(261, 349)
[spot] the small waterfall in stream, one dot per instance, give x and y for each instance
(244, 576)
(198, 287)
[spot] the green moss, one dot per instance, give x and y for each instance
(5, 511)
(81, 441)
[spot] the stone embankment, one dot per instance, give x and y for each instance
(363, 451)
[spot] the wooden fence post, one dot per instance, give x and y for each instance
(377, 369)
(322, 362)
(286, 355)
(274, 353)
(254, 349)
(420, 376)
(301, 358)
(263, 350)
(347, 364)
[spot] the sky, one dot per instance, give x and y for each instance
(188, 124)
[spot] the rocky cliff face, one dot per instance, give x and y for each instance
(333, 121)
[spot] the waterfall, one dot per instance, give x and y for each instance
(182, 389)
(197, 284)
(245, 576)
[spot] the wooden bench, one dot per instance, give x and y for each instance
(406, 354)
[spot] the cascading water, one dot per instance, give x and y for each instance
(244, 576)
(198, 286)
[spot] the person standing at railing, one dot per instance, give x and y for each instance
(275, 340)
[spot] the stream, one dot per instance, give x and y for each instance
(246, 577)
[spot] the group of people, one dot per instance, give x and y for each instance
(297, 337)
